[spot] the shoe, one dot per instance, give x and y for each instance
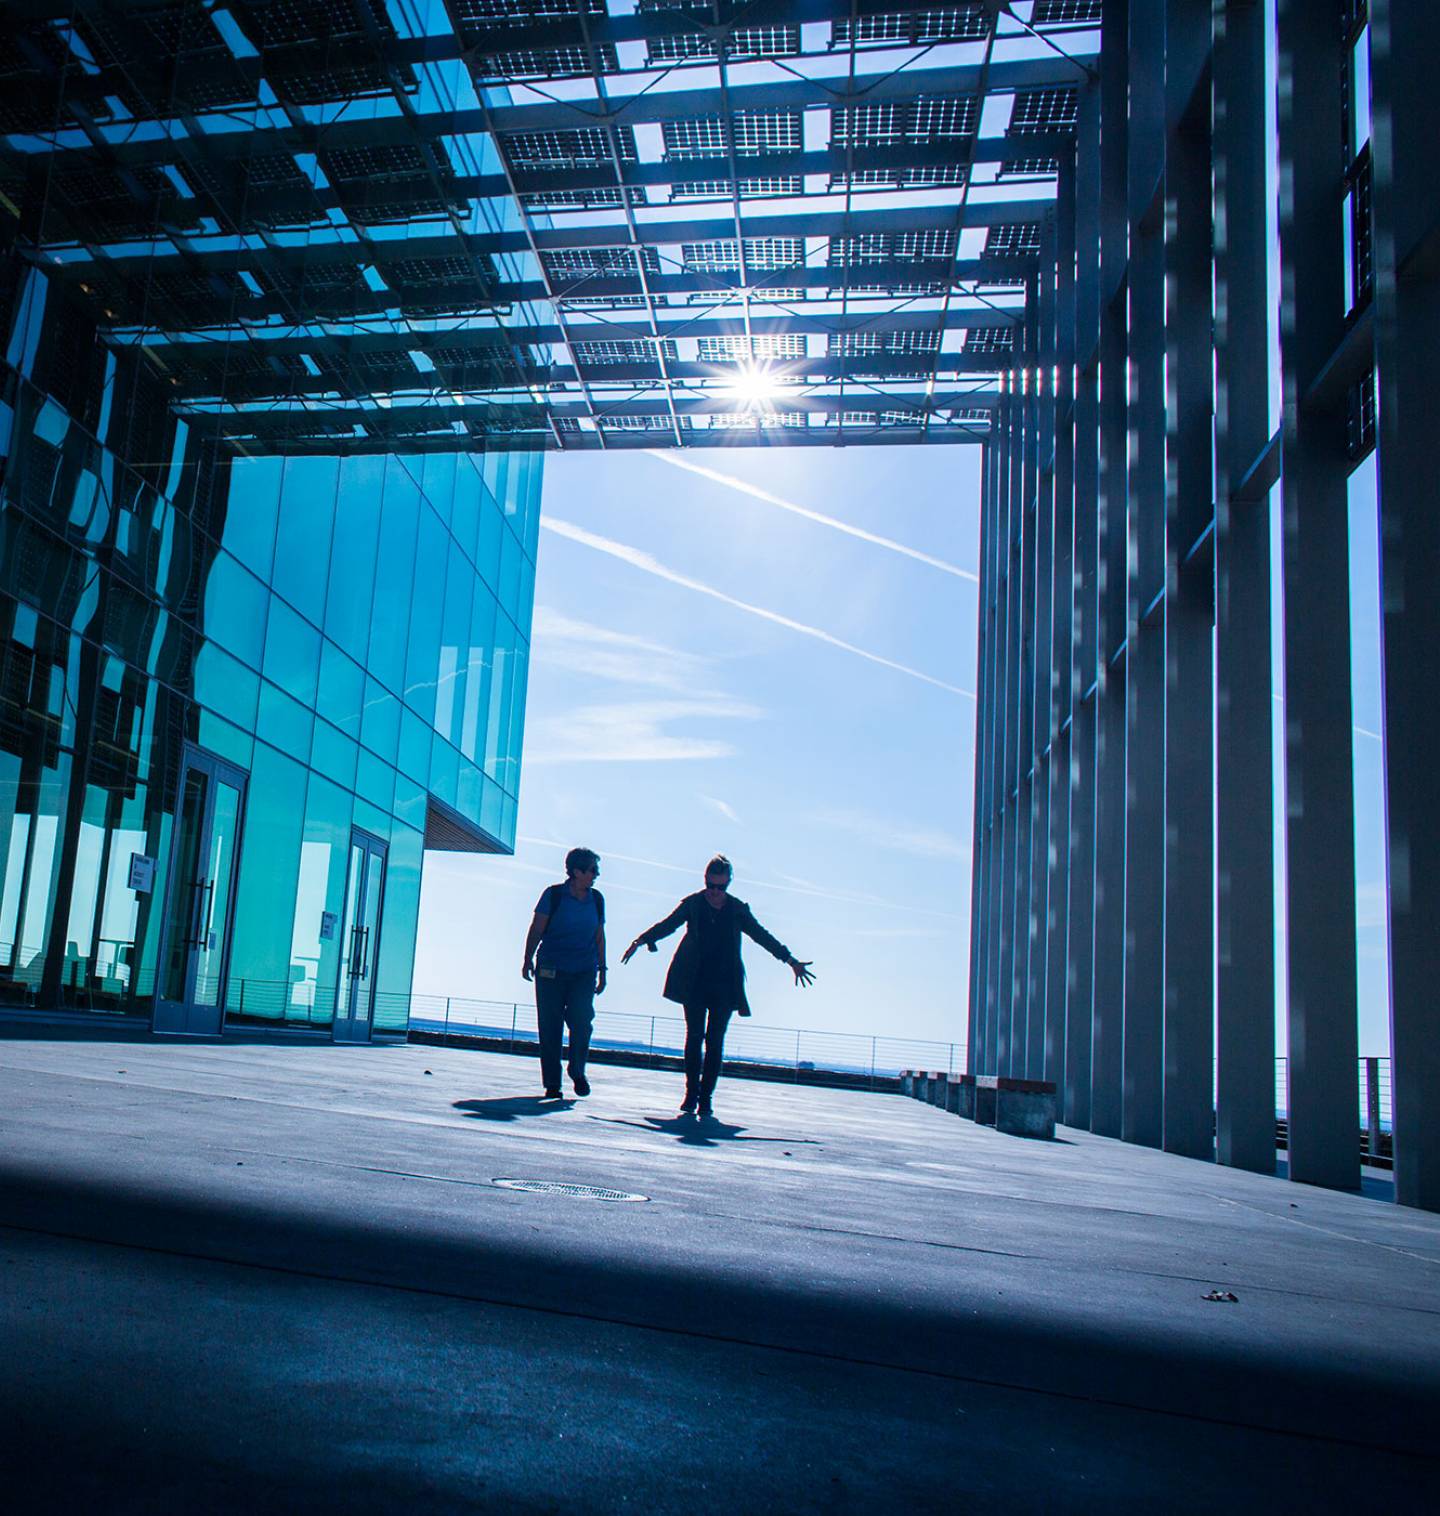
(688, 1104)
(552, 1095)
(706, 1109)
(581, 1083)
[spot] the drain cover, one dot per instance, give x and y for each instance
(577, 1191)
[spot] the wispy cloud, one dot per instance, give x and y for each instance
(746, 885)
(649, 863)
(919, 842)
(633, 732)
(676, 460)
(727, 811)
(562, 642)
(648, 564)
(460, 870)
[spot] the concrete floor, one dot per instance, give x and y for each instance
(254, 1276)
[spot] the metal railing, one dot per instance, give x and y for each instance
(796, 1048)
(302, 1005)
(1372, 1104)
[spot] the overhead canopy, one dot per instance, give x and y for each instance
(329, 224)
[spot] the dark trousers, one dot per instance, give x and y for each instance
(566, 1000)
(705, 1025)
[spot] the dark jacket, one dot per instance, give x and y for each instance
(685, 966)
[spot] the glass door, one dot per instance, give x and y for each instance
(200, 897)
(360, 938)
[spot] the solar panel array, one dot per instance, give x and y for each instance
(564, 223)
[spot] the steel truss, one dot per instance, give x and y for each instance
(563, 223)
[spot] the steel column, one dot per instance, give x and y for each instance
(1244, 804)
(1080, 980)
(1407, 204)
(1041, 426)
(1012, 589)
(1142, 1048)
(1320, 868)
(1107, 1043)
(979, 830)
(1189, 935)
(1062, 594)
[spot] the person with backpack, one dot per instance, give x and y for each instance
(565, 954)
(707, 976)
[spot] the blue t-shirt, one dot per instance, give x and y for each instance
(569, 941)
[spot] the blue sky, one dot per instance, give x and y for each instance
(714, 671)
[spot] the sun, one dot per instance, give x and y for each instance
(755, 386)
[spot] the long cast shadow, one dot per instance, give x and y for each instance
(511, 1107)
(1296, 1385)
(700, 1132)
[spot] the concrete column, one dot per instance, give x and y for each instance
(1006, 736)
(1109, 976)
(1042, 365)
(980, 828)
(1245, 886)
(1407, 205)
(1318, 770)
(1142, 1048)
(1024, 707)
(1061, 651)
(1080, 932)
(995, 729)
(995, 735)
(1189, 934)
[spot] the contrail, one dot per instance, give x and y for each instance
(649, 565)
(675, 461)
(843, 898)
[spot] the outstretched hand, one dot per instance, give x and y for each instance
(629, 952)
(803, 976)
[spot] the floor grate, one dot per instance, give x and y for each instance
(577, 1191)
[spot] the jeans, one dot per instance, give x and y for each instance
(705, 1025)
(567, 999)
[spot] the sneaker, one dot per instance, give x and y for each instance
(706, 1109)
(552, 1095)
(581, 1083)
(688, 1104)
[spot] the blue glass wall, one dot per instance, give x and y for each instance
(351, 633)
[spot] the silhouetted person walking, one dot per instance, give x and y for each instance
(707, 975)
(568, 929)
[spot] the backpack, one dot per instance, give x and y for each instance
(552, 899)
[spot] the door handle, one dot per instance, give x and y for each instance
(207, 914)
(193, 938)
(364, 952)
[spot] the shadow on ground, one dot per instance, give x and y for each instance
(512, 1107)
(701, 1131)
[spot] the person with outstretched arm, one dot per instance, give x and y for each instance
(707, 975)
(565, 952)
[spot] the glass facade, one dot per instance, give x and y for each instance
(238, 694)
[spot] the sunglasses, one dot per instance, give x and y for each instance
(717, 884)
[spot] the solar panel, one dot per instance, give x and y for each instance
(545, 178)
